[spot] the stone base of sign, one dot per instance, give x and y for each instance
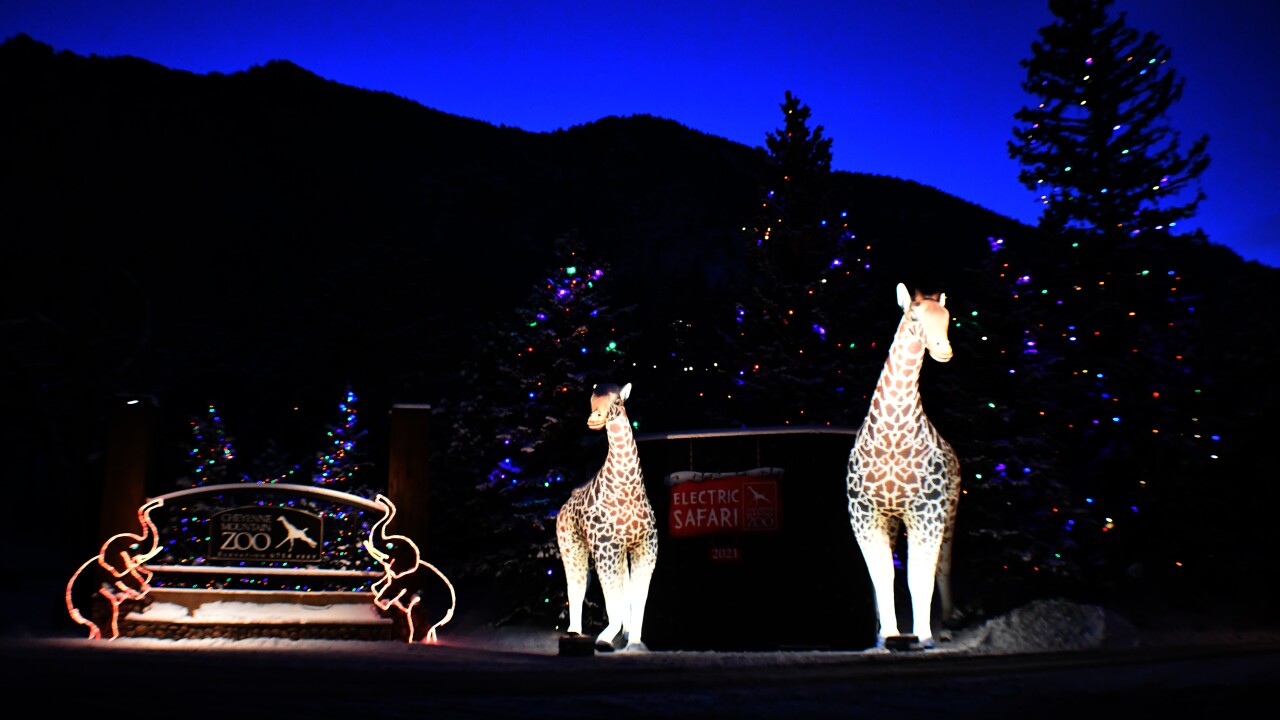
(577, 645)
(176, 614)
(250, 631)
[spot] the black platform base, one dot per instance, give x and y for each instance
(903, 643)
(577, 645)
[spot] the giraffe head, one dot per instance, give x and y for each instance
(606, 403)
(929, 314)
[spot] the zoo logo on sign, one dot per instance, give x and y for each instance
(268, 534)
(723, 505)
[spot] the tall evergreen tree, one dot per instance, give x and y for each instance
(1096, 147)
(792, 244)
(1111, 307)
(791, 333)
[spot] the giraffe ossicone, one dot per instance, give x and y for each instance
(902, 473)
(609, 523)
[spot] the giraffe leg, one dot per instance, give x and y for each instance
(945, 598)
(949, 617)
(877, 551)
(613, 582)
(638, 589)
(574, 555)
(922, 567)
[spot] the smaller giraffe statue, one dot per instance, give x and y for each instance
(902, 473)
(609, 521)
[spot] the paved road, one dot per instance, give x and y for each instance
(313, 679)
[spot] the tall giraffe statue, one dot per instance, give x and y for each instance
(902, 473)
(610, 522)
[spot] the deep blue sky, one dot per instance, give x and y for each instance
(924, 91)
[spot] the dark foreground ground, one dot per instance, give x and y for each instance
(463, 678)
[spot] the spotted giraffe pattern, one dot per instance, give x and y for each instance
(903, 473)
(609, 521)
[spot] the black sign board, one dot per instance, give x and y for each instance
(267, 534)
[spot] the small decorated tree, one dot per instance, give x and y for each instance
(520, 443)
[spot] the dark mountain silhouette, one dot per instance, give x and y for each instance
(271, 226)
(265, 238)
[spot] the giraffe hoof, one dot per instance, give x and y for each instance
(635, 647)
(602, 646)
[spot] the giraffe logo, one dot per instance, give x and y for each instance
(294, 533)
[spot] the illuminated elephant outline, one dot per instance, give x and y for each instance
(129, 580)
(403, 588)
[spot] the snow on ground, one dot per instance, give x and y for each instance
(1040, 626)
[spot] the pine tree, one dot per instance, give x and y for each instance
(210, 452)
(791, 333)
(520, 440)
(793, 244)
(339, 465)
(1117, 317)
(1096, 147)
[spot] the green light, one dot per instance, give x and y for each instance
(571, 270)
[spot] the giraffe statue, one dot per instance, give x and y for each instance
(902, 473)
(610, 522)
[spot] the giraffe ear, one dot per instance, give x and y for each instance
(942, 299)
(904, 297)
(625, 392)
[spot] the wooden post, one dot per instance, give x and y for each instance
(407, 471)
(128, 467)
(124, 489)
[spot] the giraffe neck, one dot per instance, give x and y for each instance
(623, 458)
(897, 395)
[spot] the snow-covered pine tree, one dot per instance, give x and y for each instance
(519, 441)
(339, 465)
(209, 450)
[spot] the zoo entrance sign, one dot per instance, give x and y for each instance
(711, 504)
(264, 533)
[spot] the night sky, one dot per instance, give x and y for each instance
(923, 91)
